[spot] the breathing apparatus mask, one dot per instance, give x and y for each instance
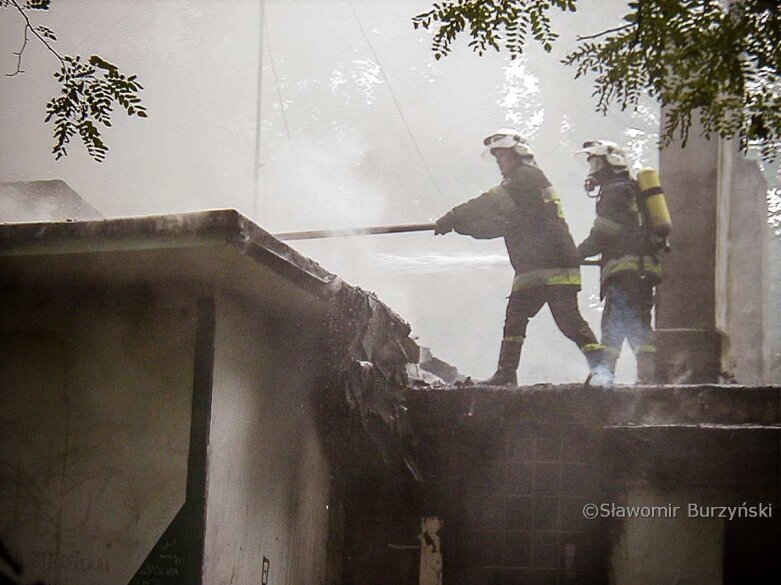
(605, 159)
(596, 165)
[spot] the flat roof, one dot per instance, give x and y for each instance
(216, 248)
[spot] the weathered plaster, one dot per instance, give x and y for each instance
(268, 476)
(95, 402)
(663, 551)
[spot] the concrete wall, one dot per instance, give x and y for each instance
(689, 177)
(742, 267)
(507, 476)
(712, 306)
(268, 480)
(660, 551)
(774, 310)
(689, 346)
(95, 399)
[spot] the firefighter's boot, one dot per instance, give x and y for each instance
(600, 370)
(646, 367)
(509, 357)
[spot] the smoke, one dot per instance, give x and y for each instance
(314, 182)
(359, 126)
(368, 129)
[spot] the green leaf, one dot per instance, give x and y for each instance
(88, 91)
(46, 32)
(38, 4)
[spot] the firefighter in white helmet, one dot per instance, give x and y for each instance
(526, 211)
(629, 266)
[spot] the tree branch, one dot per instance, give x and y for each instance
(604, 32)
(19, 55)
(35, 32)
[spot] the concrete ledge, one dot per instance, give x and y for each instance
(688, 356)
(693, 405)
(714, 435)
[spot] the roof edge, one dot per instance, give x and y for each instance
(188, 229)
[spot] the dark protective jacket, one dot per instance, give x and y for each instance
(618, 234)
(526, 211)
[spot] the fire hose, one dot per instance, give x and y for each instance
(373, 230)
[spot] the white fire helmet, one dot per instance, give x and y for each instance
(506, 138)
(610, 151)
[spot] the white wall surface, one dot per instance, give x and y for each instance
(742, 267)
(268, 480)
(664, 550)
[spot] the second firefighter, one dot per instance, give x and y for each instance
(630, 268)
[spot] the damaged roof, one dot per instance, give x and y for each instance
(367, 345)
(217, 248)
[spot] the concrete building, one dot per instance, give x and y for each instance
(560, 484)
(186, 399)
(174, 401)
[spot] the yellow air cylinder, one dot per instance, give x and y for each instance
(654, 204)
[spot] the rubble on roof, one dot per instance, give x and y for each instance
(432, 365)
(369, 351)
(419, 377)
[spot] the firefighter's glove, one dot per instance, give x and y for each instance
(444, 225)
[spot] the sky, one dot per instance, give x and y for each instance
(313, 114)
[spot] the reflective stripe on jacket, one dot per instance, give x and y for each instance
(649, 266)
(547, 277)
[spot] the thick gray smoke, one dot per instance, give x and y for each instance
(359, 126)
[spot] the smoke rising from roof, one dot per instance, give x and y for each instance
(359, 126)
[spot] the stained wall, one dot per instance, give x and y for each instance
(268, 478)
(95, 398)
